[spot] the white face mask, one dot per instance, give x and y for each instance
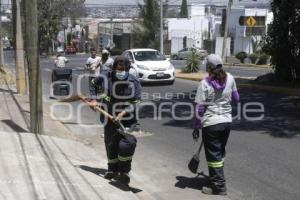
(121, 75)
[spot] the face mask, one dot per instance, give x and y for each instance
(121, 75)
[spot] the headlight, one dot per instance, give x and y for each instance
(143, 67)
(171, 67)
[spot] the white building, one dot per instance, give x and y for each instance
(196, 28)
(244, 36)
(205, 23)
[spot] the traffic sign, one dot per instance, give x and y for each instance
(250, 21)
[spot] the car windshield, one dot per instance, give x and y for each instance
(148, 56)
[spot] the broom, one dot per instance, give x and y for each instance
(195, 161)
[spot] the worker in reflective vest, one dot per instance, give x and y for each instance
(213, 114)
(120, 94)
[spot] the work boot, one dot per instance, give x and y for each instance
(110, 175)
(124, 178)
(210, 191)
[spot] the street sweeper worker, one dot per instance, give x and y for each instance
(213, 114)
(121, 93)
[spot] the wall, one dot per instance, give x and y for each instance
(219, 46)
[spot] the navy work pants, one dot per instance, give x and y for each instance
(119, 149)
(215, 138)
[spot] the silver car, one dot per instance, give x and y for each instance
(184, 53)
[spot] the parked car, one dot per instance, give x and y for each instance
(60, 50)
(184, 53)
(70, 50)
(150, 65)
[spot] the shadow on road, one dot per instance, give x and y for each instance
(196, 183)
(14, 126)
(97, 171)
(281, 116)
(117, 184)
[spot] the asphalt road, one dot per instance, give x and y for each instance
(262, 160)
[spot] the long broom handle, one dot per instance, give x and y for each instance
(106, 114)
(199, 150)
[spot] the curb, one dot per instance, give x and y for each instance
(279, 90)
(248, 65)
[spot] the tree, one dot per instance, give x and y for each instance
(283, 40)
(51, 13)
(146, 32)
(183, 9)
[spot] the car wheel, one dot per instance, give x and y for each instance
(171, 82)
(175, 57)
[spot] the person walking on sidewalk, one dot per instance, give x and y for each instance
(122, 92)
(60, 61)
(213, 114)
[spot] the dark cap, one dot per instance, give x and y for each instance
(121, 60)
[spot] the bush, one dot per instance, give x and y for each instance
(241, 56)
(253, 57)
(192, 62)
(263, 58)
(116, 51)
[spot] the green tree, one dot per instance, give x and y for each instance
(146, 32)
(51, 13)
(184, 9)
(283, 40)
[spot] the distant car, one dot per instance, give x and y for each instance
(184, 53)
(60, 50)
(70, 50)
(150, 65)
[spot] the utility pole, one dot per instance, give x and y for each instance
(224, 49)
(1, 42)
(19, 49)
(161, 28)
(32, 50)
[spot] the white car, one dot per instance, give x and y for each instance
(150, 65)
(60, 50)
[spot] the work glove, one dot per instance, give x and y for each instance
(196, 134)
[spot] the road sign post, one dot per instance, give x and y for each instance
(250, 22)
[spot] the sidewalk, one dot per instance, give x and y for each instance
(49, 166)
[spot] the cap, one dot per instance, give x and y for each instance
(104, 51)
(214, 60)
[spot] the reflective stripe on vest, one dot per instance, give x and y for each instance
(105, 97)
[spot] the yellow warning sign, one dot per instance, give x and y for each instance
(250, 21)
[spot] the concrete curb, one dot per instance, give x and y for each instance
(247, 65)
(279, 90)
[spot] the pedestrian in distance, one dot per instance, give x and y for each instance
(106, 60)
(93, 63)
(92, 66)
(121, 94)
(60, 61)
(213, 114)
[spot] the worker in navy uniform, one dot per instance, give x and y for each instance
(120, 94)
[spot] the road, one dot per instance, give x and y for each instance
(262, 156)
